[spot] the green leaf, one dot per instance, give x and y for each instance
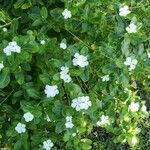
(19, 77)
(37, 22)
(59, 127)
(124, 80)
(125, 47)
(4, 78)
(24, 140)
(75, 90)
(44, 12)
(84, 51)
(18, 4)
(85, 75)
(75, 72)
(14, 26)
(26, 5)
(17, 145)
(32, 93)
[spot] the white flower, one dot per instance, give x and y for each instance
(4, 29)
(69, 118)
(63, 45)
(64, 74)
(69, 123)
(104, 121)
(7, 51)
(105, 78)
(124, 11)
(148, 54)
(51, 91)
(48, 119)
(134, 140)
(12, 47)
(131, 63)
(81, 103)
(74, 134)
(28, 117)
(132, 28)
(64, 69)
(134, 107)
(66, 14)
(80, 60)
(1, 66)
(42, 42)
(48, 144)
(143, 108)
(20, 128)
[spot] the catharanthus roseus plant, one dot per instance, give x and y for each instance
(74, 74)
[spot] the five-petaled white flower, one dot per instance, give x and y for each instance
(48, 144)
(104, 120)
(12, 47)
(63, 45)
(131, 63)
(4, 29)
(64, 74)
(132, 28)
(42, 42)
(124, 11)
(80, 60)
(20, 128)
(81, 103)
(28, 117)
(1, 66)
(69, 123)
(134, 107)
(105, 78)
(51, 91)
(66, 14)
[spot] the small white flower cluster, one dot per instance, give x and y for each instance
(21, 128)
(131, 63)
(124, 11)
(12, 47)
(132, 28)
(66, 14)
(69, 123)
(48, 144)
(28, 117)
(80, 60)
(64, 74)
(51, 91)
(105, 78)
(42, 42)
(1, 66)
(104, 120)
(81, 103)
(135, 106)
(63, 45)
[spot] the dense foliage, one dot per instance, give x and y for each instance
(74, 74)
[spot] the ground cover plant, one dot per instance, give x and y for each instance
(74, 74)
